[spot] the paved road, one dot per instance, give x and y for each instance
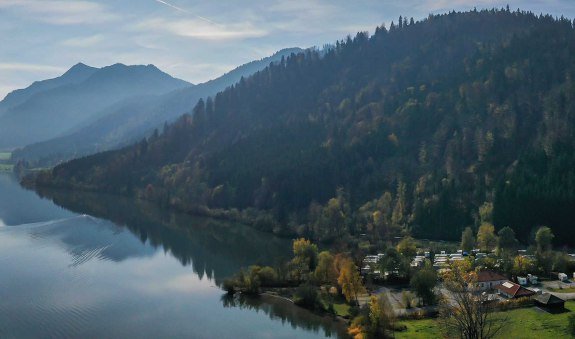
(546, 285)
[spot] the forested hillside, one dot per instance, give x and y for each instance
(131, 120)
(413, 129)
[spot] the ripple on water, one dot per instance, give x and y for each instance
(84, 256)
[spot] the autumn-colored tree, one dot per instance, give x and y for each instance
(486, 238)
(523, 265)
(305, 258)
(464, 313)
(359, 328)
(381, 316)
(268, 275)
(350, 281)
(326, 272)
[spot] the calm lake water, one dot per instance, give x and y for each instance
(96, 266)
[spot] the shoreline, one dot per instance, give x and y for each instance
(335, 318)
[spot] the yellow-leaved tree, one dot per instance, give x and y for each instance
(305, 259)
(486, 238)
(350, 281)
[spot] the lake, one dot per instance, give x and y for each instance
(96, 266)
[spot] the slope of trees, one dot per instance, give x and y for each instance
(413, 129)
(130, 120)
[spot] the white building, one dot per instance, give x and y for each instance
(487, 280)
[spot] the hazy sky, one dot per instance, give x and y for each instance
(191, 39)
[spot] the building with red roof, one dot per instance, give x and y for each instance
(512, 290)
(487, 280)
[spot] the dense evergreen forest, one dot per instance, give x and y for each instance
(416, 128)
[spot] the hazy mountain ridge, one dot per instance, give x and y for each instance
(124, 124)
(74, 75)
(50, 108)
(422, 124)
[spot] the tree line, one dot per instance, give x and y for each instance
(411, 130)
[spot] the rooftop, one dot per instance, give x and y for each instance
(484, 276)
(514, 290)
(549, 299)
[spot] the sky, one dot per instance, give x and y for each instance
(191, 39)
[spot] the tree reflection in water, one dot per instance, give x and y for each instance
(213, 248)
(277, 308)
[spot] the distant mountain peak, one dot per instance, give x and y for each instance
(76, 74)
(79, 70)
(78, 96)
(80, 65)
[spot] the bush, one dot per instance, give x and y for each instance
(353, 311)
(251, 284)
(267, 275)
(400, 328)
(306, 296)
(515, 303)
(407, 298)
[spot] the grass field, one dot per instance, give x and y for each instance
(5, 155)
(419, 329)
(341, 309)
(522, 323)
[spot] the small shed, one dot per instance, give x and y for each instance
(550, 302)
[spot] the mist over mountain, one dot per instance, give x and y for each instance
(414, 129)
(74, 75)
(131, 120)
(49, 108)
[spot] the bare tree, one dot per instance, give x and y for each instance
(465, 312)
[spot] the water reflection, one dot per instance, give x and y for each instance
(84, 238)
(110, 267)
(214, 248)
(19, 206)
(283, 310)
